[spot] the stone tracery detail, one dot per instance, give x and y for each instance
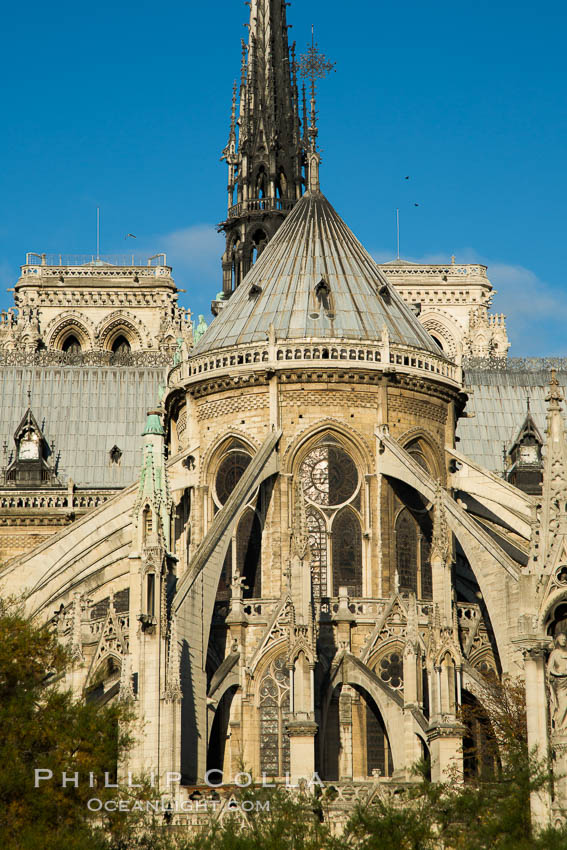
(329, 478)
(273, 703)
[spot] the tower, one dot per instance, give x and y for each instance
(264, 152)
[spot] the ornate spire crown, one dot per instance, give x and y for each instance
(266, 149)
(313, 66)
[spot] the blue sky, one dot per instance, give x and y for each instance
(125, 106)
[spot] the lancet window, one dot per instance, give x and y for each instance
(330, 482)
(229, 473)
(413, 564)
(274, 704)
(412, 532)
(378, 753)
(249, 553)
(72, 345)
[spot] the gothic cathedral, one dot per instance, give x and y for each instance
(311, 559)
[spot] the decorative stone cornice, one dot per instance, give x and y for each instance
(445, 729)
(301, 728)
(328, 373)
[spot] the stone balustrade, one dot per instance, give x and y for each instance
(374, 356)
(260, 205)
(52, 499)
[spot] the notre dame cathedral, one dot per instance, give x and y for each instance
(299, 539)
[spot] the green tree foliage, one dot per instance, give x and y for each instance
(490, 810)
(42, 726)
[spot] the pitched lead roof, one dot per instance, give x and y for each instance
(497, 407)
(313, 245)
(85, 410)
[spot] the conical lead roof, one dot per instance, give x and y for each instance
(314, 280)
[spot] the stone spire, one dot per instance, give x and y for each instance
(153, 501)
(264, 152)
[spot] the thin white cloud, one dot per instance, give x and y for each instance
(196, 248)
(194, 253)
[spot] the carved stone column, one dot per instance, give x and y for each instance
(345, 732)
(445, 740)
(412, 746)
(301, 733)
(537, 717)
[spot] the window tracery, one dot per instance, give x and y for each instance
(391, 669)
(331, 486)
(274, 704)
(318, 546)
(229, 473)
(328, 475)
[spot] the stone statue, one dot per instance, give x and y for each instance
(178, 356)
(557, 675)
(199, 330)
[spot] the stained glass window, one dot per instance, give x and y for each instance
(318, 547)
(378, 755)
(274, 705)
(347, 553)
(413, 561)
(223, 589)
(329, 479)
(328, 475)
(425, 568)
(229, 474)
(406, 551)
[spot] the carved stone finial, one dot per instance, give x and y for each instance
(441, 538)
(173, 691)
(300, 530)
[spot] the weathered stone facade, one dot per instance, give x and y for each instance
(452, 301)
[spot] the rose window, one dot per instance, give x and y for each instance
(328, 476)
(229, 474)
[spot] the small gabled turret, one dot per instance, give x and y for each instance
(153, 502)
(30, 466)
(524, 458)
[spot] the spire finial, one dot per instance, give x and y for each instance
(554, 395)
(313, 66)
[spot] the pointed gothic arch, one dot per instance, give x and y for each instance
(273, 702)
(249, 552)
(219, 735)
(346, 552)
(67, 325)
